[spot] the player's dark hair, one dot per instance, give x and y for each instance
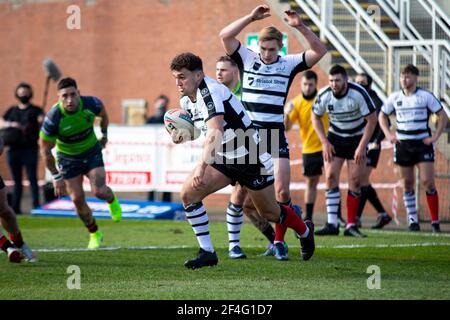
(338, 69)
(26, 86)
(67, 83)
(186, 60)
(369, 78)
(310, 75)
(410, 68)
(227, 59)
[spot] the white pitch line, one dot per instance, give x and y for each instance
(339, 246)
(409, 233)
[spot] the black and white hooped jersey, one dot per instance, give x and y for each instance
(412, 113)
(265, 86)
(346, 113)
(214, 99)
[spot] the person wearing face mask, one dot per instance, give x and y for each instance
(27, 118)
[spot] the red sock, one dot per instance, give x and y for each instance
(92, 227)
(280, 231)
(4, 243)
(293, 221)
(352, 206)
(17, 239)
(433, 205)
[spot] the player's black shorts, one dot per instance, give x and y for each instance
(73, 166)
(252, 176)
(267, 144)
(373, 156)
(408, 153)
(2, 184)
(312, 164)
(344, 147)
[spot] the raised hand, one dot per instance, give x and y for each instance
(260, 12)
(293, 19)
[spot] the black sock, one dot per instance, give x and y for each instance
(374, 200)
(269, 232)
(309, 211)
(362, 200)
(339, 213)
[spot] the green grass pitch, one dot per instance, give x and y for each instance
(144, 260)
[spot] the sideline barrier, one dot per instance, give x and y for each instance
(131, 209)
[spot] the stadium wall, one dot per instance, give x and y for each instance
(123, 50)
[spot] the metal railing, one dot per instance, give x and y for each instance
(423, 18)
(365, 46)
(347, 36)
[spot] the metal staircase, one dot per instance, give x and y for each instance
(381, 36)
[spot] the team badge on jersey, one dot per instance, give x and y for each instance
(204, 92)
(256, 66)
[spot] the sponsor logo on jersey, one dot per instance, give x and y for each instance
(281, 68)
(210, 106)
(204, 92)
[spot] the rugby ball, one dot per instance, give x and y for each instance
(181, 121)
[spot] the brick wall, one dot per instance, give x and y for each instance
(123, 51)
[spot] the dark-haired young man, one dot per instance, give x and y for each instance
(69, 126)
(413, 141)
(352, 120)
(230, 155)
(227, 73)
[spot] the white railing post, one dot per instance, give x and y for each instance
(436, 70)
(402, 17)
(390, 70)
(326, 13)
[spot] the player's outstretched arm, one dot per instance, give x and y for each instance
(317, 48)
(229, 33)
